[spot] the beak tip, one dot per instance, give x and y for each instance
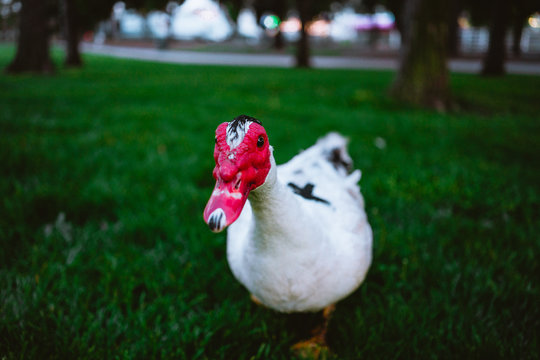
(217, 220)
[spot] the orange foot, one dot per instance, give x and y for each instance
(316, 347)
(311, 349)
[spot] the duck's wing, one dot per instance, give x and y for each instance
(321, 175)
(321, 171)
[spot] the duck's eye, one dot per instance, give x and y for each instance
(260, 141)
(215, 140)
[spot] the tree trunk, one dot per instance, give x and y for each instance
(280, 8)
(302, 47)
(516, 40)
(453, 28)
(517, 30)
(33, 43)
(496, 55)
(73, 56)
(422, 76)
(279, 42)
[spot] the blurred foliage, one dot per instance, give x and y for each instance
(106, 170)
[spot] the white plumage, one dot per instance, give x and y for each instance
(302, 241)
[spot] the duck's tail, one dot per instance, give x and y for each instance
(334, 147)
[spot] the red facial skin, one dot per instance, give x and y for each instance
(237, 172)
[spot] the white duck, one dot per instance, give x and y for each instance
(302, 241)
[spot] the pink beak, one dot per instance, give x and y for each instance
(226, 203)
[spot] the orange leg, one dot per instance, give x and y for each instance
(316, 347)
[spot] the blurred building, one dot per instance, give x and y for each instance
(201, 19)
(475, 40)
(192, 20)
(207, 20)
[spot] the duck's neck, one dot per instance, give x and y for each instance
(279, 221)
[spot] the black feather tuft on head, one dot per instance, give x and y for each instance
(242, 120)
(239, 122)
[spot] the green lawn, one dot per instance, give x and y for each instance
(105, 172)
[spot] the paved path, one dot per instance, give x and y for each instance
(272, 60)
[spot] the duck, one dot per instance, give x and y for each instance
(298, 237)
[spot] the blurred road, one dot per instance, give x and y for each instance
(273, 60)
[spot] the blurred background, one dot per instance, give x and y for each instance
(351, 28)
(106, 165)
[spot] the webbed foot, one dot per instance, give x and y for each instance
(316, 347)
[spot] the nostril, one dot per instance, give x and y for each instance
(238, 181)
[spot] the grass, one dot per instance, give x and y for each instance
(106, 170)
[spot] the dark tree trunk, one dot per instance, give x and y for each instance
(453, 28)
(496, 55)
(302, 48)
(516, 40)
(73, 56)
(33, 43)
(422, 76)
(517, 31)
(279, 42)
(280, 8)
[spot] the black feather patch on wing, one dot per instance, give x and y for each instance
(338, 161)
(307, 192)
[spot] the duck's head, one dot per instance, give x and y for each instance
(242, 156)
